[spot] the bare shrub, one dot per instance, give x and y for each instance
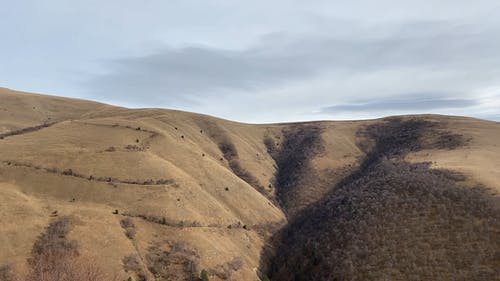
(225, 271)
(163, 220)
(133, 147)
(127, 222)
(54, 242)
(26, 130)
(110, 149)
(7, 273)
(235, 264)
(130, 233)
(76, 269)
(173, 260)
(129, 227)
(131, 264)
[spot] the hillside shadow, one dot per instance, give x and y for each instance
(393, 220)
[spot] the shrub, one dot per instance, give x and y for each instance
(68, 172)
(131, 264)
(7, 273)
(110, 149)
(129, 227)
(127, 222)
(225, 271)
(204, 275)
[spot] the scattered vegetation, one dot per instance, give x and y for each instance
(131, 264)
(230, 153)
(133, 147)
(226, 270)
(73, 173)
(162, 220)
(173, 260)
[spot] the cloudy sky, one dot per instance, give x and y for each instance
(260, 61)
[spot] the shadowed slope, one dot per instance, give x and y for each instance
(394, 220)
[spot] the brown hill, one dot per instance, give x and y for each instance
(162, 193)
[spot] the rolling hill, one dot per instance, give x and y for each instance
(157, 194)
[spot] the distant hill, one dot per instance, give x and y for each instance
(158, 194)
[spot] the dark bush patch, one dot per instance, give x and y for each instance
(293, 160)
(393, 220)
(54, 242)
(129, 227)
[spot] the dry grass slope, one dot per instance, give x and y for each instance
(158, 194)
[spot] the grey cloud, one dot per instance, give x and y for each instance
(183, 75)
(411, 103)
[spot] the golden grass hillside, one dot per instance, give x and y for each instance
(158, 194)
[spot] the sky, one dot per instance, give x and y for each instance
(260, 61)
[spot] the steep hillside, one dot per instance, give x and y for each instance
(395, 220)
(163, 195)
(165, 170)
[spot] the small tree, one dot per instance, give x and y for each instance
(204, 275)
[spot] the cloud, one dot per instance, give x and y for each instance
(187, 75)
(413, 102)
(254, 60)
